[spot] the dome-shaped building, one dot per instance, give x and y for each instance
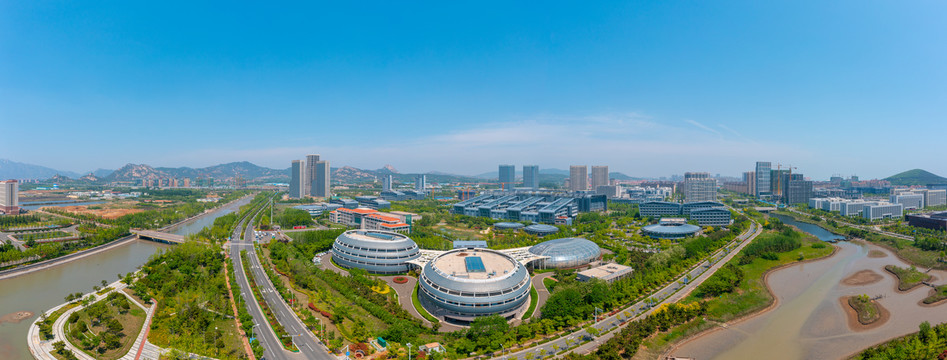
(508, 226)
(378, 252)
(541, 229)
(565, 253)
(670, 229)
(463, 284)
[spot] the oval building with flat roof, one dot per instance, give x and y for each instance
(463, 284)
(378, 252)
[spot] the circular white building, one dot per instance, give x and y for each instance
(508, 226)
(378, 252)
(565, 253)
(541, 229)
(463, 284)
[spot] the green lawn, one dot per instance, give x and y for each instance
(91, 328)
(753, 294)
(533, 299)
(550, 284)
(421, 309)
(908, 278)
(939, 294)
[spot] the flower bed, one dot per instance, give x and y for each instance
(400, 280)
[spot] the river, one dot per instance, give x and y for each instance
(808, 320)
(39, 291)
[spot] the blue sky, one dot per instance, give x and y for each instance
(648, 88)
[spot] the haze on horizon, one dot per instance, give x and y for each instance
(649, 89)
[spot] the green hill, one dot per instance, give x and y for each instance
(916, 177)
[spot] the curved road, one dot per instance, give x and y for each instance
(669, 294)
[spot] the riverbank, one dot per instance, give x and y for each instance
(46, 264)
(808, 320)
(902, 248)
(755, 298)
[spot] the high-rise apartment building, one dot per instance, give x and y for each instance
(531, 176)
(316, 177)
(420, 182)
(10, 197)
(749, 178)
(578, 178)
(320, 187)
(387, 181)
(763, 182)
(599, 176)
(507, 177)
(309, 174)
(799, 190)
(295, 179)
(699, 186)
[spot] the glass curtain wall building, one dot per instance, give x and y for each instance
(565, 253)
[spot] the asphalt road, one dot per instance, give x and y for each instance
(309, 346)
(668, 294)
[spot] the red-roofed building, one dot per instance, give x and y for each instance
(369, 219)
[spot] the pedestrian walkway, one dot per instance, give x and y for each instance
(42, 349)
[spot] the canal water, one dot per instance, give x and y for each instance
(812, 229)
(39, 291)
(809, 320)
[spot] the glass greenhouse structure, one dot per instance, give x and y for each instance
(566, 253)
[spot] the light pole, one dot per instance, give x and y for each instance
(409, 351)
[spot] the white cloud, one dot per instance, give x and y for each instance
(631, 143)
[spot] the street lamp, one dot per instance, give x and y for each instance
(409, 351)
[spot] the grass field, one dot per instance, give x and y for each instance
(908, 278)
(939, 294)
(459, 232)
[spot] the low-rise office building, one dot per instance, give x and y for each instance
(608, 273)
(719, 216)
(715, 216)
(910, 200)
(318, 209)
(936, 221)
(371, 219)
(882, 211)
(659, 208)
(535, 206)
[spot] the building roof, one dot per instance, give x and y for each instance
(507, 225)
(456, 264)
(396, 225)
(358, 210)
(542, 229)
(607, 272)
(383, 217)
(685, 229)
(566, 249)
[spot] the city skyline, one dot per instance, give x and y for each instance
(650, 89)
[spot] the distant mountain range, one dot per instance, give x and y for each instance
(252, 173)
(916, 177)
(16, 170)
